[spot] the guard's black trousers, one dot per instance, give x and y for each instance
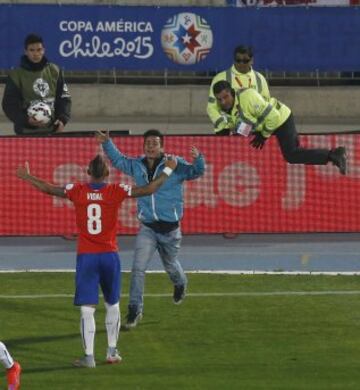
(288, 139)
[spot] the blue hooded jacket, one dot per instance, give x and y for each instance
(167, 203)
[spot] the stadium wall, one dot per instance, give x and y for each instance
(340, 104)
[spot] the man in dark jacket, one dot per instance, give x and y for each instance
(36, 80)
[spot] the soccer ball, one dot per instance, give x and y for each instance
(40, 111)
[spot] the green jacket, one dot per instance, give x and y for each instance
(250, 107)
(32, 89)
(33, 82)
(252, 79)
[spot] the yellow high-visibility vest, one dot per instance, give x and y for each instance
(251, 79)
(250, 107)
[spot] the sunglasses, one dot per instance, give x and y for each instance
(242, 60)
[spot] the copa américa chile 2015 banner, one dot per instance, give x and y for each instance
(182, 38)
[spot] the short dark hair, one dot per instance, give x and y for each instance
(220, 86)
(32, 38)
(242, 49)
(98, 167)
(154, 133)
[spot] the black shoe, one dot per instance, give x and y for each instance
(133, 317)
(179, 294)
(338, 157)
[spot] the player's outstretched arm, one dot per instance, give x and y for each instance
(170, 165)
(23, 172)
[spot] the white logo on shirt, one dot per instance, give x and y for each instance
(126, 188)
(41, 87)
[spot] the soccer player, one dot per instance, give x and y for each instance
(96, 208)
(13, 368)
(248, 113)
(160, 214)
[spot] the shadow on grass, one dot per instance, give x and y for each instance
(21, 343)
(36, 370)
(66, 366)
(141, 325)
(13, 343)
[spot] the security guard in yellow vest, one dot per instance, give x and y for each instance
(240, 75)
(247, 113)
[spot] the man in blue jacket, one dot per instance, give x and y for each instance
(159, 214)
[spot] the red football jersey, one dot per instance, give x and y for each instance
(96, 215)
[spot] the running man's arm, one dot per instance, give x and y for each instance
(188, 171)
(102, 136)
(117, 158)
(23, 172)
(170, 165)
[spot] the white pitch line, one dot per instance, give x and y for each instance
(221, 272)
(204, 295)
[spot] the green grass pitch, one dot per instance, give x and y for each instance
(228, 334)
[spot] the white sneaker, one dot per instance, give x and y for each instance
(112, 356)
(86, 361)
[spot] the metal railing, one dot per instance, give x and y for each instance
(168, 77)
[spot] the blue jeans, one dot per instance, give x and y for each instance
(147, 242)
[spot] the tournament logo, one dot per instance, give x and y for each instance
(186, 38)
(41, 87)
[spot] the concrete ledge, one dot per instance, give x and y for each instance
(182, 109)
(172, 127)
(337, 103)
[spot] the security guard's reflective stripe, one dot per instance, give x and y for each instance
(264, 114)
(259, 86)
(243, 118)
(240, 111)
(258, 82)
(220, 120)
(228, 76)
(211, 99)
(260, 119)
